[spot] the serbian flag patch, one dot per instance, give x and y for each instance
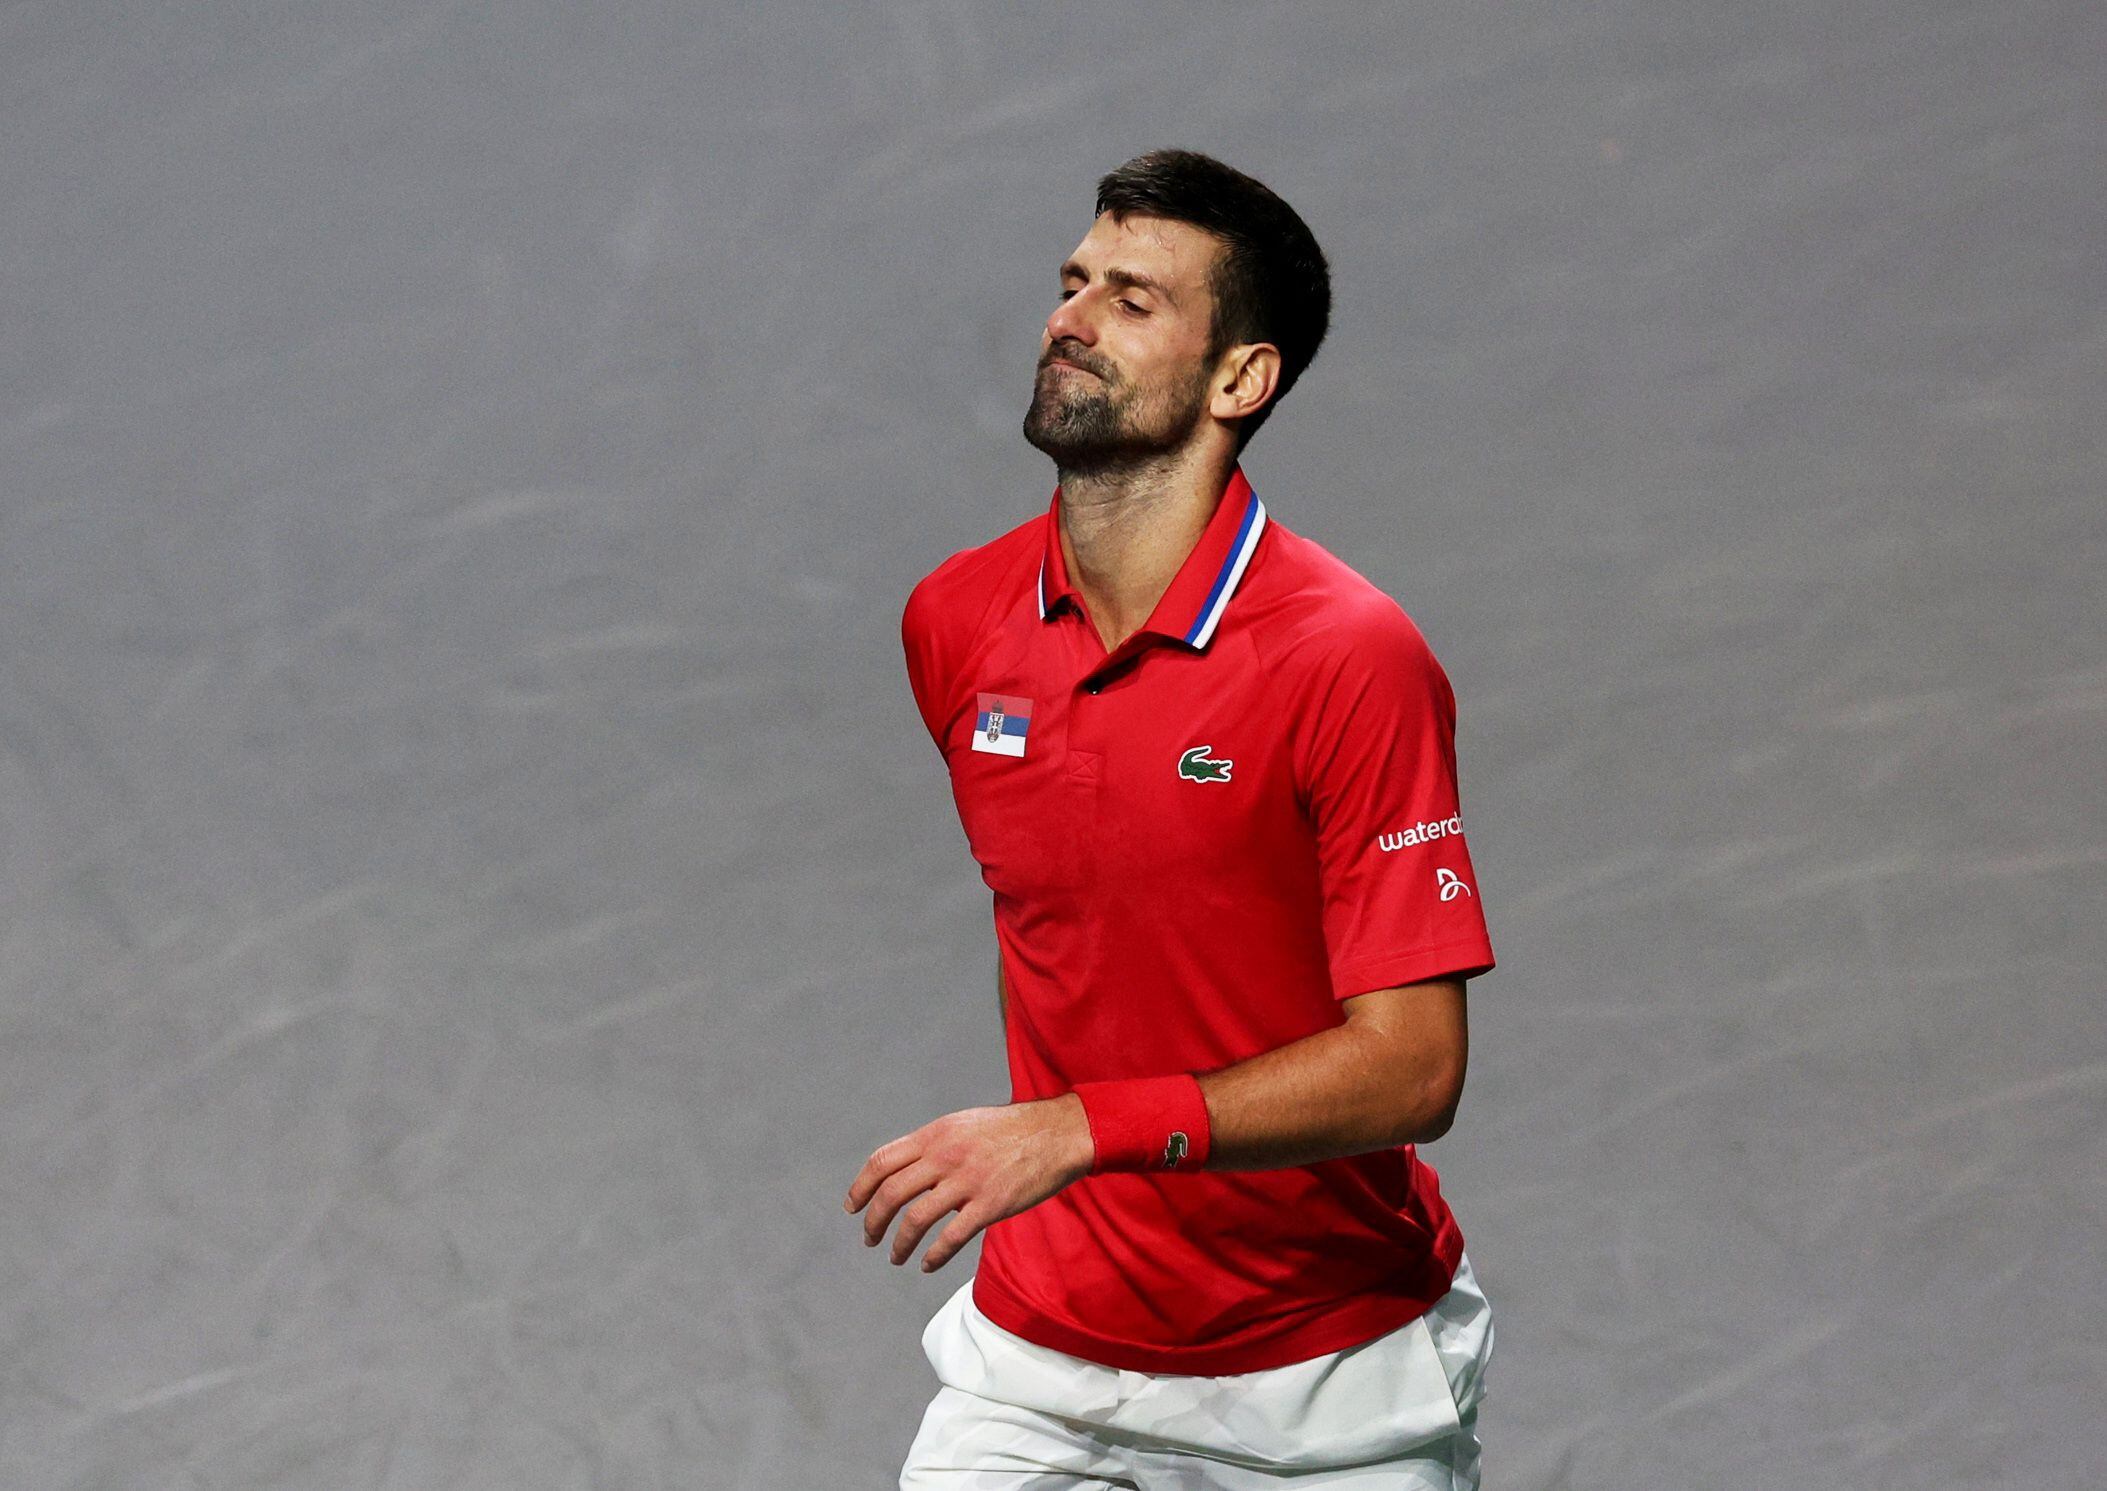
(1002, 723)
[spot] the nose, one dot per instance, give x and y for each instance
(1070, 321)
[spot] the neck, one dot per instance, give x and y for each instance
(1125, 533)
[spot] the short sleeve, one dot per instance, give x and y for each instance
(1400, 898)
(929, 672)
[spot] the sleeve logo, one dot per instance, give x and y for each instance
(1451, 884)
(1422, 833)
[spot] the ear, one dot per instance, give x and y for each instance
(1245, 380)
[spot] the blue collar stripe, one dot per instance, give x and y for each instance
(1232, 570)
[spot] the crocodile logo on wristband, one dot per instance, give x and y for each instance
(1176, 1149)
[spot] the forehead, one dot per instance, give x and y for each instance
(1177, 256)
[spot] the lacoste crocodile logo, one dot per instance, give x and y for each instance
(1197, 766)
(1175, 1150)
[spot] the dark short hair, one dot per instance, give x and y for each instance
(1271, 282)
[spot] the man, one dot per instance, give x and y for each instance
(1208, 773)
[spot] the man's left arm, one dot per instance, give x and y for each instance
(1390, 1074)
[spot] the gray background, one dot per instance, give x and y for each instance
(476, 887)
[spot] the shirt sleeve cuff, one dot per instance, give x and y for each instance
(1469, 957)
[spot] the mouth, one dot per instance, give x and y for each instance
(1072, 367)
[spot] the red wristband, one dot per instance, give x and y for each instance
(1146, 1123)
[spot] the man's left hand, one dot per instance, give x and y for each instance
(983, 1163)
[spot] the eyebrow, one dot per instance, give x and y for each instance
(1126, 277)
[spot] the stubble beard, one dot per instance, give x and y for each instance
(1092, 429)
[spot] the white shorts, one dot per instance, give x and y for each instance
(1399, 1412)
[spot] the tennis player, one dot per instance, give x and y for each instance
(1208, 772)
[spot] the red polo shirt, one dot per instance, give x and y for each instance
(1198, 844)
